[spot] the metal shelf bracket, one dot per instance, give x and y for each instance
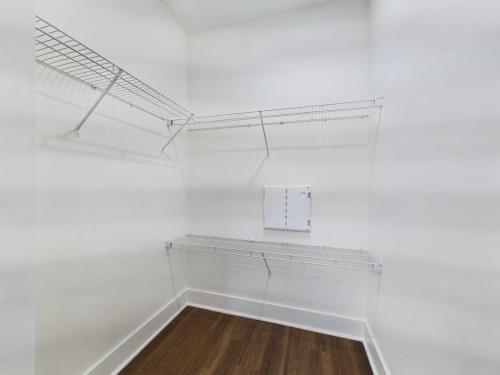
(264, 131)
(175, 134)
(267, 265)
(378, 267)
(76, 132)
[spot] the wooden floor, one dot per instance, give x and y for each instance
(205, 342)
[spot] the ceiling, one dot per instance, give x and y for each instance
(201, 15)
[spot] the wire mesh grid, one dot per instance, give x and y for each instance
(304, 260)
(325, 112)
(115, 130)
(293, 248)
(178, 264)
(319, 126)
(64, 54)
(222, 260)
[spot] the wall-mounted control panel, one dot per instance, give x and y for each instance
(287, 207)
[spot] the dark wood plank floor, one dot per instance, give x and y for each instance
(205, 342)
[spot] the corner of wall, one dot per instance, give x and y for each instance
(374, 353)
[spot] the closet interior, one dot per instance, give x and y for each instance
(283, 286)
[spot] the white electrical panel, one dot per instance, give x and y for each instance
(298, 200)
(275, 207)
(287, 207)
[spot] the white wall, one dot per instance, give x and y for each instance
(16, 188)
(270, 63)
(105, 202)
(435, 220)
(313, 56)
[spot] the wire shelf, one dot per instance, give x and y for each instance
(116, 130)
(317, 127)
(296, 115)
(272, 252)
(58, 51)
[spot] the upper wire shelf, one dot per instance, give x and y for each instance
(294, 115)
(347, 123)
(62, 53)
(58, 51)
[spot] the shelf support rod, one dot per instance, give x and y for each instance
(76, 132)
(378, 267)
(265, 135)
(267, 265)
(175, 134)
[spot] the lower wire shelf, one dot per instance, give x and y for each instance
(270, 252)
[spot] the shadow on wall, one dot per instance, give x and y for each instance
(302, 134)
(115, 130)
(74, 295)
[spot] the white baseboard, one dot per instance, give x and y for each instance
(118, 357)
(317, 321)
(377, 362)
